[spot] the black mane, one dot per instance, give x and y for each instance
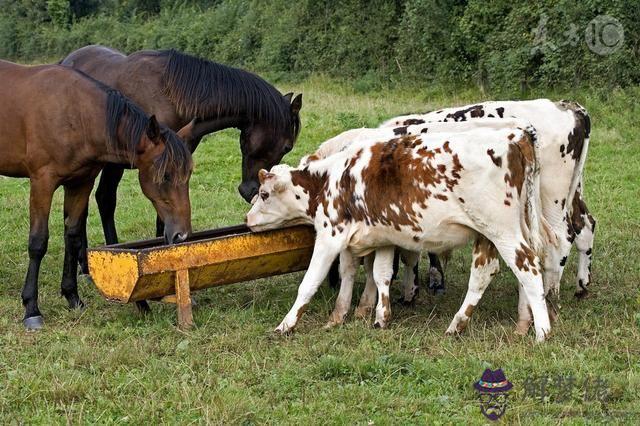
(175, 160)
(206, 89)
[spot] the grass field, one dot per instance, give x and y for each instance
(108, 364)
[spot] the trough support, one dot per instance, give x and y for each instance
(183, 300)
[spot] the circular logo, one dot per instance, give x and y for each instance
(604, 35)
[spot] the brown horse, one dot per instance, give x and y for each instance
(59, 127)
(180, 89)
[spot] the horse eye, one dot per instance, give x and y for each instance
(167, 177)
(287, 148)
(264, 195)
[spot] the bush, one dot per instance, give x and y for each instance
(503, 45)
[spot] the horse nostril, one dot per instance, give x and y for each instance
(179, 237)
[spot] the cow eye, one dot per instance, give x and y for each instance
(264, 195)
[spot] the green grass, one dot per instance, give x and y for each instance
(111, 365)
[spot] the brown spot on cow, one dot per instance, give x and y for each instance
(462, 325)
(312, 184)
(441, 197)
(484, 252)
(413, 121)
(400, 130)
(301, 311)
(511, 136)
(469, 310)
(507, 203)
(312, 158)
(447, 148)
(525, 258)
(520, 157)
(496, 160)
(394, 176)
(461, 200)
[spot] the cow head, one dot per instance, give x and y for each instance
(279, 202)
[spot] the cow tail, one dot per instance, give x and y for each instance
(583, 128)
(536, 228)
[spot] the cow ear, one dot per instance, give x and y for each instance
(296, 104)
(264, 175)
(153, 129)
(288, 97)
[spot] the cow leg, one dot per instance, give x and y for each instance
(526, 265)
(348, 269)
(436, 275)
(410, 281)
(382, 273)
(369, 294)
(324, 253)
(484, 265)
(584, 226)
(334, 275)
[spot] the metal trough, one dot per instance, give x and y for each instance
(151, 270)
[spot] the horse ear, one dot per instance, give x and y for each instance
(186, 133)
(296, 104)
(153, 129)
(288, 96)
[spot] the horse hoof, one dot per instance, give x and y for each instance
(143, 307)
(33, 323)
(76, 303)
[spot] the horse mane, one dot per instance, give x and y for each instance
(205, 89)
(174, 161)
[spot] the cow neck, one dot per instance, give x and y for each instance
(313, 185)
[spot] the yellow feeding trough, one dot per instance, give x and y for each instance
(149, 269)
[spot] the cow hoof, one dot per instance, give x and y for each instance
(582, 294)
(363, 313)
(407, 302)
(522, 327)
(331, 324)
(283, 329)
(33, 323)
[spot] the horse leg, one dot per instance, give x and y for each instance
(436, 275)
(106, 198)
(76, 199)
(41, 193)
(84, 244)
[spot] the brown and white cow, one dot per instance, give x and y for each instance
(563, 130)
(420, 192)
(409, 258)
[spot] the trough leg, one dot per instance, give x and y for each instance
(183, 300)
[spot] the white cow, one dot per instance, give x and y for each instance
(563, 130)
(420, 192)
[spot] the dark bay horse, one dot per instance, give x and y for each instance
(59, 127)
(182, 90)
